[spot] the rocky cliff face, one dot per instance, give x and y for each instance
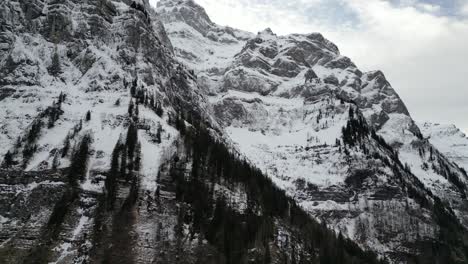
(290, 104)
(452, 142)
(66, 70)
(111, 152)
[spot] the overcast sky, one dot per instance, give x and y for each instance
(420, 45)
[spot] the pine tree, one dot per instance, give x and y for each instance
(66, 146)
(88, 116)
(130, 108)
(8, 160)
(351, 112)
(133, 89)
(137, 164)
(159, 110)
(79, 162)
(158, 134)
(55, 68)
(56, 161)
(137, 110)
(10, 64)
(132, 140)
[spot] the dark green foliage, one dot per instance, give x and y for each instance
(8, 160)
(355, 130)
(131, 106)
(357, 178)
(141, 95)
(452, 243)
(133, 88)
(34, 131)
(137, 110)
(88, 116)
(56, 161)
(130, 154)
(180, 124)
(137, 161)
(28, 152)
(55, 69)
(234, 233)
(132, 140)
(61, 98)
(66, 146)
(53, 113)
(159, 111)
(79, 162)
(10, 64)
(158, 134)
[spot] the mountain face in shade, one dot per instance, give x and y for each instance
(134, 135)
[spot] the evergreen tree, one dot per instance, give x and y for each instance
(132, 140)
(10, 64)
(130, 108)
(8, 160)
(55, 69)
(56, 161)
(137, 162)
(88, 116)
(158, 134)
(159, 110)
(79, 162)
(133, 88)
(66, 146)
(137, 110)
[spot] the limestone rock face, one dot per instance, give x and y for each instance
(291, 124)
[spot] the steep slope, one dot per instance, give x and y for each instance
(203, 46)
(452, 142)
(111, 154)
(286, 101)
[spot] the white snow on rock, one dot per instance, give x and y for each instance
(450, 140)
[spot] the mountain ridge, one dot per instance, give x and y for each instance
(265, 97)
(109, 151)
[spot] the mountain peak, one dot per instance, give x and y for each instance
(173, 11)
(266, 33)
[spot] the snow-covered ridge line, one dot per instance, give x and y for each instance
(284, 101)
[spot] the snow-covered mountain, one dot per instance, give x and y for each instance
(111, 152)
(450, 140)
(284, 101)
(133, 135)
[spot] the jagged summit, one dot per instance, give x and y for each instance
(187, 11)
(266, 32)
